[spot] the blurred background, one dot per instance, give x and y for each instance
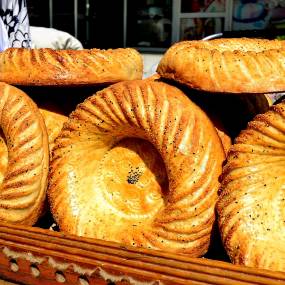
(152, 26)
(155, 24)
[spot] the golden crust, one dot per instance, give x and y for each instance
(24, 157)
(69, 67)
(54, 122)
(251, 205)
(227, 65)
(225, 139)
(115, 157)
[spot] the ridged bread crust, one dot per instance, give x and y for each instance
(227, 65)
(47, 67)
(99, 187)
(24, 157)
(251, 207)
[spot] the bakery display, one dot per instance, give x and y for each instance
(251, 205)
(24, 158)
(240, 65)
(47, 67)
(138, 163)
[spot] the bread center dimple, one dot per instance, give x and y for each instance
(134, 177)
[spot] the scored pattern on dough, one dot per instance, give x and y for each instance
(251, 206)
(22, 191)
(227, 65)
(187, 143)
(69, 67)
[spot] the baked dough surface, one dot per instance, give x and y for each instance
(69, 67)
(54, 122)
(24, 157)
(138, 163)
(227, 65)
(251, 207)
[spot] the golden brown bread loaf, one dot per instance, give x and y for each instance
(227, 65)
(252, 201)
(138, 163)
(69, 67)
(24, 157)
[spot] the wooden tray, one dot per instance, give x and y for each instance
(31, 255)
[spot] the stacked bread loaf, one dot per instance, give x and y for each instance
(251, 203)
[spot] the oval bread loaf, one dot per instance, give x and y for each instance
(69, 67)
(227, 65)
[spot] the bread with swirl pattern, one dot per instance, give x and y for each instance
(24, 157)
(251, 205)
(138, 163)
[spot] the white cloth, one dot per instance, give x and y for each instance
(51, 38)
(15, 23)
(4, 40)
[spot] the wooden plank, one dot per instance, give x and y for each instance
(37, 256)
